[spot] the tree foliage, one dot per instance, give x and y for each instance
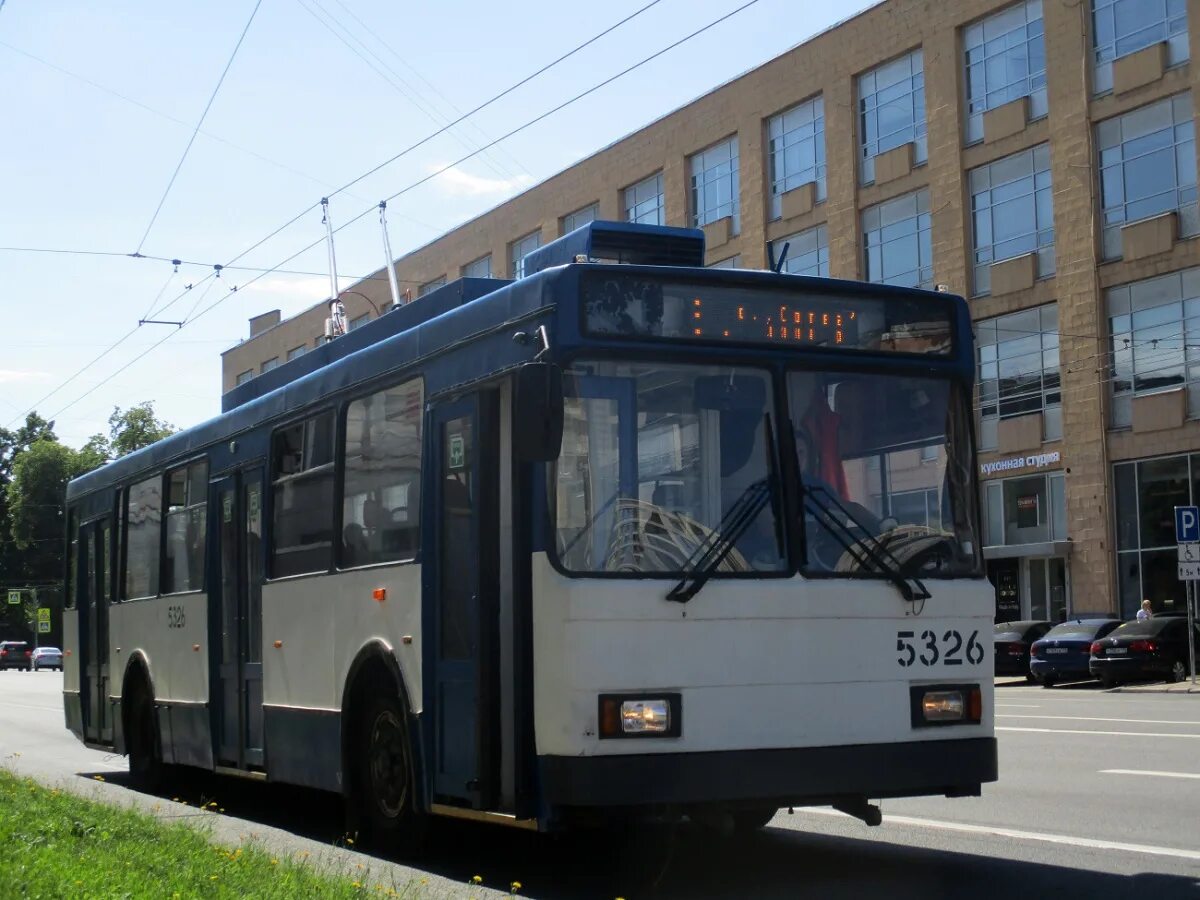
(129, 430)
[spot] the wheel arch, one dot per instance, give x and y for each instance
(375, 661)
(137, 667)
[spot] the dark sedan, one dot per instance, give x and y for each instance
(1066, 650)
(1012, 641)
(1152, 648)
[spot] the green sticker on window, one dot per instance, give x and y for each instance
(457, 452)
(227, 508)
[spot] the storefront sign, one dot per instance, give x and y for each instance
(1033, 461)
(1027, 511)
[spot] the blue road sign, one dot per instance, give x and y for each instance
(1187, 524)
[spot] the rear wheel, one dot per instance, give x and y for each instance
(1107, 682)
(145, 750)
(1029, 678)
(1048, 681)
(384, 796)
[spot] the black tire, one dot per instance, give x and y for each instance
(1049, 681)
(142, 740)
(383, 799)
(1029, 678)
(1108, 682)
(748, 821)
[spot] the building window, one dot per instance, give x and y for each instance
(714, 181)
(733, 262)
(807, 252)
(1028, 509)
(923, 507)
(1147, 492)
(1005, 60)
(1122, 27)
(891, 110)
(897, 241)
(1147, 167)
(1012, 213)
(518, 249)
(302, 511)
(296, 351)
(431, 286)
(1155, 334)
(480, 268)
(358, 321)
(187, 506)
(797, 151)
(243, 377)
(380, 506)
(1018, 371)
(580, 217)
(143, 521)
(270, 364)
(644, 201)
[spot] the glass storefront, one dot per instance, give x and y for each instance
(1147, 492)
(1025, 543)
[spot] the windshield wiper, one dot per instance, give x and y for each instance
(865, 549)
(717, 545)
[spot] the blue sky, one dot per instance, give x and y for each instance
(298, 114)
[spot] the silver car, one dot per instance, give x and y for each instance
(47, 658)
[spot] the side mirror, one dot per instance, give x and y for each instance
(537, 412)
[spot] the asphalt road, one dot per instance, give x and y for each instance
(1099, 797)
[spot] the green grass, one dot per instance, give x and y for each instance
(55, 844)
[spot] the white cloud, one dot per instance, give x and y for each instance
(18, 376)
(463, 184)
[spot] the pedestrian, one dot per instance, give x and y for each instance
(1145, 612)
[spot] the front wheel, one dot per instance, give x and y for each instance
(384, 796)
(747, 821)
(145, 749)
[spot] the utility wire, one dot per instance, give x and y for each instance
(415, 184)
(199, 122)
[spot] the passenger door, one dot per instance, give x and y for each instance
(461, 576)
(235, 605)
(95, 594)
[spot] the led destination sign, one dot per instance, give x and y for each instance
(635, 306)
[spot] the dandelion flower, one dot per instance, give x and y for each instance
(350, 841)
(98, 777)
(476, 879)
(356, 884)
(274, 862)
(515, 886)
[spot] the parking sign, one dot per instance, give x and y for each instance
(1187, 524)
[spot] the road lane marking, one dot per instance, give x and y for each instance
(1018, 706)
(1044, 837)
(1149, 772)
(1110, 733)
(1096, 719)
(29, 706)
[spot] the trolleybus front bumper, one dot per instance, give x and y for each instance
(788, 777)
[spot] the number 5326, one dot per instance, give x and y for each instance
(929, 648)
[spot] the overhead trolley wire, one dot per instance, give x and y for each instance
(415, 184)
(199, 122)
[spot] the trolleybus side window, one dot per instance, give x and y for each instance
(143, 517)
(381, 497)
(186, 516)
(303, 495)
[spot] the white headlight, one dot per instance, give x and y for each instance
(645, 716)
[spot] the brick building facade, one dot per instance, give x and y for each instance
(1037, 158)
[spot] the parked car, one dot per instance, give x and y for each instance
(47, 658)
(15, 655)
(1066, 649)
(1012, 641)
(1152, 648)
